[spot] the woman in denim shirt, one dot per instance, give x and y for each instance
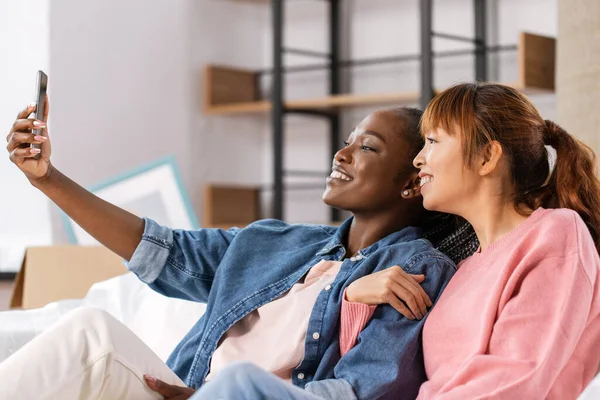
(243, 275)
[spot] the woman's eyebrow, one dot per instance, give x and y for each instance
(377, 135)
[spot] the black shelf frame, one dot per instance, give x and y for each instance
(335, 64)
(8, 276)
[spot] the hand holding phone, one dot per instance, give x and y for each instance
(28, 143)
(41, 87)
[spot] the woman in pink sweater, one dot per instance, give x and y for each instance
(521, 317)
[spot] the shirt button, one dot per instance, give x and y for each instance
(316, 335)
(352, 258)
(358, 257)
(300, 375)
(328, 288)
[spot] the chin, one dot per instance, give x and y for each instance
(328, 200)
(440, 206)
(329, 196)
(332, 200)
(430, 204)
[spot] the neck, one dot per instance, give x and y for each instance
(367, 229)
(492, 218)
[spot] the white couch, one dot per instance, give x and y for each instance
(159, 321)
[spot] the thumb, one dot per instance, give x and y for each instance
(419, 278)
(161, 387)
(45, 154)
(44, 132)
(46, 109)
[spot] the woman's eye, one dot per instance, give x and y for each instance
(430, 140)
(346, 144)
(367, 148)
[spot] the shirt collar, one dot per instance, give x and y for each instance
(337, 241)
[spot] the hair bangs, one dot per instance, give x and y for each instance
(453, 111)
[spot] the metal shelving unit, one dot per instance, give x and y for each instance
(279, 109)
(7, 276)
(231, 91)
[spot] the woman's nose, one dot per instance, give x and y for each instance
(419, 160)
(343, 155)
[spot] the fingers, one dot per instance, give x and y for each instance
(23, 114)
(410, 279)
(412, 294)
(400, 307)
(25, 125)
(19, 154)
(168, 391)
(398, 296)
(17, 140)
(161, 387)
(421, 292)
(409, 298)
(418, 279)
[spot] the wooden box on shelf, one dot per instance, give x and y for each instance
(537, 62)
(226, 87)
(236, 91)
(226, 206)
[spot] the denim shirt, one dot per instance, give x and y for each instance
(236, 271)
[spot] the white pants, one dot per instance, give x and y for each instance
(88, 354)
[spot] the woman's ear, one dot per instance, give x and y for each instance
(412, 188)
(490, 157)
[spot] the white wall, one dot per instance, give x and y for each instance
(127, 90)
(121, 87)
(24, 45)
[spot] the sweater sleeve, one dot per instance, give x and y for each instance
(535, 333)
(354, 318)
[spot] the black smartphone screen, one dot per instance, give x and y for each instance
(40, 98)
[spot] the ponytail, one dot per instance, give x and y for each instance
(573, 183)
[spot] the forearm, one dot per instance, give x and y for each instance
(115, 228)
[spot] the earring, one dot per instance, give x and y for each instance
(406, 193)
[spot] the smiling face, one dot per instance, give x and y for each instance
(374, 168)
(446, 181)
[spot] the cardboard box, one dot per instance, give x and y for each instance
(62, 272)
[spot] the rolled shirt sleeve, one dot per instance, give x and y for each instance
(180, 263)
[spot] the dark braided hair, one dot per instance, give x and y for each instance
(450, 234)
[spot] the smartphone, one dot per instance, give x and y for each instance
(40, 98)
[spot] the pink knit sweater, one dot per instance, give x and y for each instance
(520, 320)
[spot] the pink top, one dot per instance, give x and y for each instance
(520, 320)
(273, 336)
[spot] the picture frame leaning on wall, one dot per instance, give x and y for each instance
(154, 190)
